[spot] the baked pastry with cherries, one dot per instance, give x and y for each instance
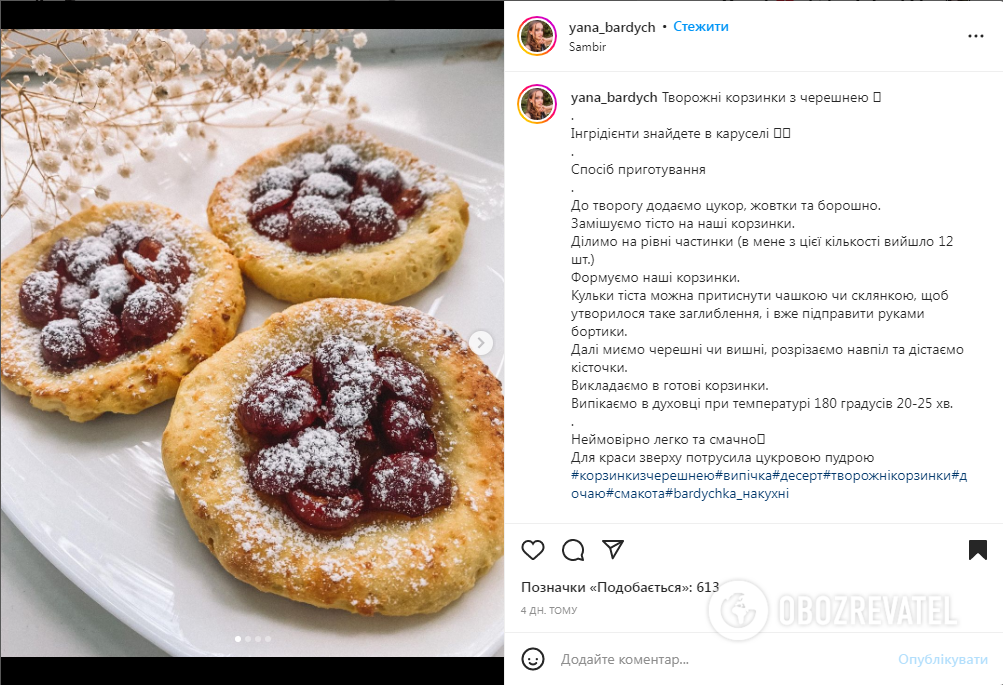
(337, 213)
(108, 311)
(346, 454)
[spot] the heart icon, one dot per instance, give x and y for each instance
(532, 548)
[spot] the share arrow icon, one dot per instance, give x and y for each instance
(613, 546)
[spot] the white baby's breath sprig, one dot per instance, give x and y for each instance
(85, 116)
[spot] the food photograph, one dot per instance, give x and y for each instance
(252, 342)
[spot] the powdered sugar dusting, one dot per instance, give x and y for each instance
(325, 184)
(374, 219)
(433, 187)
(275, 226)
(111, 284)
(41, 286)
(311, 163)
(408, 484)
(370, 206)
(340, 155)
(88, 255)
(124, 234)
(98, 244)
(269, 200)
(290, 398)
(146, 301)
(354, 150)
(287, 365)
(282, 467)
(351, 372)
(268, 534)
(382, 168)
(318, 208)
(73, 296)
(276, 178)
(401, 412)
(63, 337)
(334, 457)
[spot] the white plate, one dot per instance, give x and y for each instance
(94, 498)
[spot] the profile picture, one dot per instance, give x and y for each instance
(537, 104)
(537, 36)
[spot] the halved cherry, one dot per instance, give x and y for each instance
(152, 262)
(404, 380)
(172, 269)
(409, 202)
(58, 258)
(63, 345)
(326, 513)
(140, 267)
(148, 248)
(316, 225)
(342, 161)
(275, 226)
(124, 235)
(87, 255)
(271, 201)
(347, 416)
(150, 314)
(39, 297)
(340, 361)
(275, 407)
(277, 470)
(332, 458)
(326, 185)
(72, 296)
(346, 371)
(101, 330)
(310, 163)
(408, 484)
(372, 220)
(330, 361)
(380, 177)
(406, 429)
(279, 177)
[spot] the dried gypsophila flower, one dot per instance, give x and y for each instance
(41, 64)
(134, 86)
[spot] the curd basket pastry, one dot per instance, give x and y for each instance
(346, 454)
(337, 213)
(108, 311)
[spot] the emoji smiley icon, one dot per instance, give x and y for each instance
(532, 659)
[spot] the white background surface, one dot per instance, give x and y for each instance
(441, 94)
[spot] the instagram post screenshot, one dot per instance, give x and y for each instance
(732, 267)
(751, 370)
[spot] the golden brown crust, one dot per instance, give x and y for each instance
(382, 272)
(385, 564)
(136, 381)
